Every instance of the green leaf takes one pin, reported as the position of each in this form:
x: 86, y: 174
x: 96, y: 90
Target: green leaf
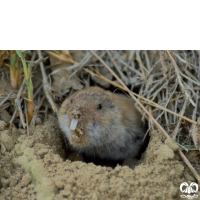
x: 183, y: 147
x: 190, y: 147
x: 19, y: 53
x: 29, y: 71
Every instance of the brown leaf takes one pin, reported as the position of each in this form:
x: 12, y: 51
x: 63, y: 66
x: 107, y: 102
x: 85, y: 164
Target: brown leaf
x: 4, y: 54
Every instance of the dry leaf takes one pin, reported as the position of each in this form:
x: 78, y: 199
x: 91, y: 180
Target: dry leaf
x: 4, y: 54
x: 62, y: 83
x: 195, y: 132
x: 62, y: 55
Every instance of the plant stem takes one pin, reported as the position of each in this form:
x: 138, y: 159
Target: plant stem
x: 29, y: 84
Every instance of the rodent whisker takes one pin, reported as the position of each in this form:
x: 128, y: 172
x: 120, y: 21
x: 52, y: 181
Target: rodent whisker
x: 108, y: 147
x: 79, y: 152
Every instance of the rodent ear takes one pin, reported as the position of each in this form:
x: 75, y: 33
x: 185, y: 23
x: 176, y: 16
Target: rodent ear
x: 99, y: 106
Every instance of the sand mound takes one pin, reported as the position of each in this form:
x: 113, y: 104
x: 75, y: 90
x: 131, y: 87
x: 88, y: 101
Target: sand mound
x: 35, y: 167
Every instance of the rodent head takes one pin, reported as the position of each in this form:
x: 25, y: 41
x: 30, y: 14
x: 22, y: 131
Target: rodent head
x: 90, y: 118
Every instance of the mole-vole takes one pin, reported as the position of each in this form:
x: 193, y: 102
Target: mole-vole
x: 98, y: 122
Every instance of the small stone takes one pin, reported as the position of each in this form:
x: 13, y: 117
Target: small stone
x: 20, y: 196
x: 6, y: 193
x: 13, y: 181
x: 66, y: 193
x: 6, y: 140
x: 5, y: 182
x: 30, y: 142
x: 24, y: 190
x: 42, y: 152
x: 25, y: 180
x: 3, y: 149
x: 14, y: 193
x: 21, y: 138
x: 2, y: 125
x: 7, y: 174
x: 59, y: 183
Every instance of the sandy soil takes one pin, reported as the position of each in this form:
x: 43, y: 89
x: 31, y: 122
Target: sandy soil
x: 36, y: 167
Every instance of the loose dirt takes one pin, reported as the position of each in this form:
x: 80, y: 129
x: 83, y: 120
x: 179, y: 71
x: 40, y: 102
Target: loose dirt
x: 36, y: 167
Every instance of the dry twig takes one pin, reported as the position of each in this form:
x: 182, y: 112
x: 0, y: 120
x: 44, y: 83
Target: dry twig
x: 46, y: 86
x: 146, y: 101
x: 150, y: 116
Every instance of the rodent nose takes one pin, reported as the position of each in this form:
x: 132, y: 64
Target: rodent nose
x: 76, y: 114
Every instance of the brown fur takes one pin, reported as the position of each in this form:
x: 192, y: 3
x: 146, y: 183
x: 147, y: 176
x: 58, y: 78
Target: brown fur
x: 116, y: 123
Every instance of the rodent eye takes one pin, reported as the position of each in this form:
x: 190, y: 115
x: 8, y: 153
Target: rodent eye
x: 99, y: 106
x: 71, y: 100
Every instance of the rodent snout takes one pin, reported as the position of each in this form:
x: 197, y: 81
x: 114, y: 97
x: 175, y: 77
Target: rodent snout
x: 75, y: 118
x: 76, y: 114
